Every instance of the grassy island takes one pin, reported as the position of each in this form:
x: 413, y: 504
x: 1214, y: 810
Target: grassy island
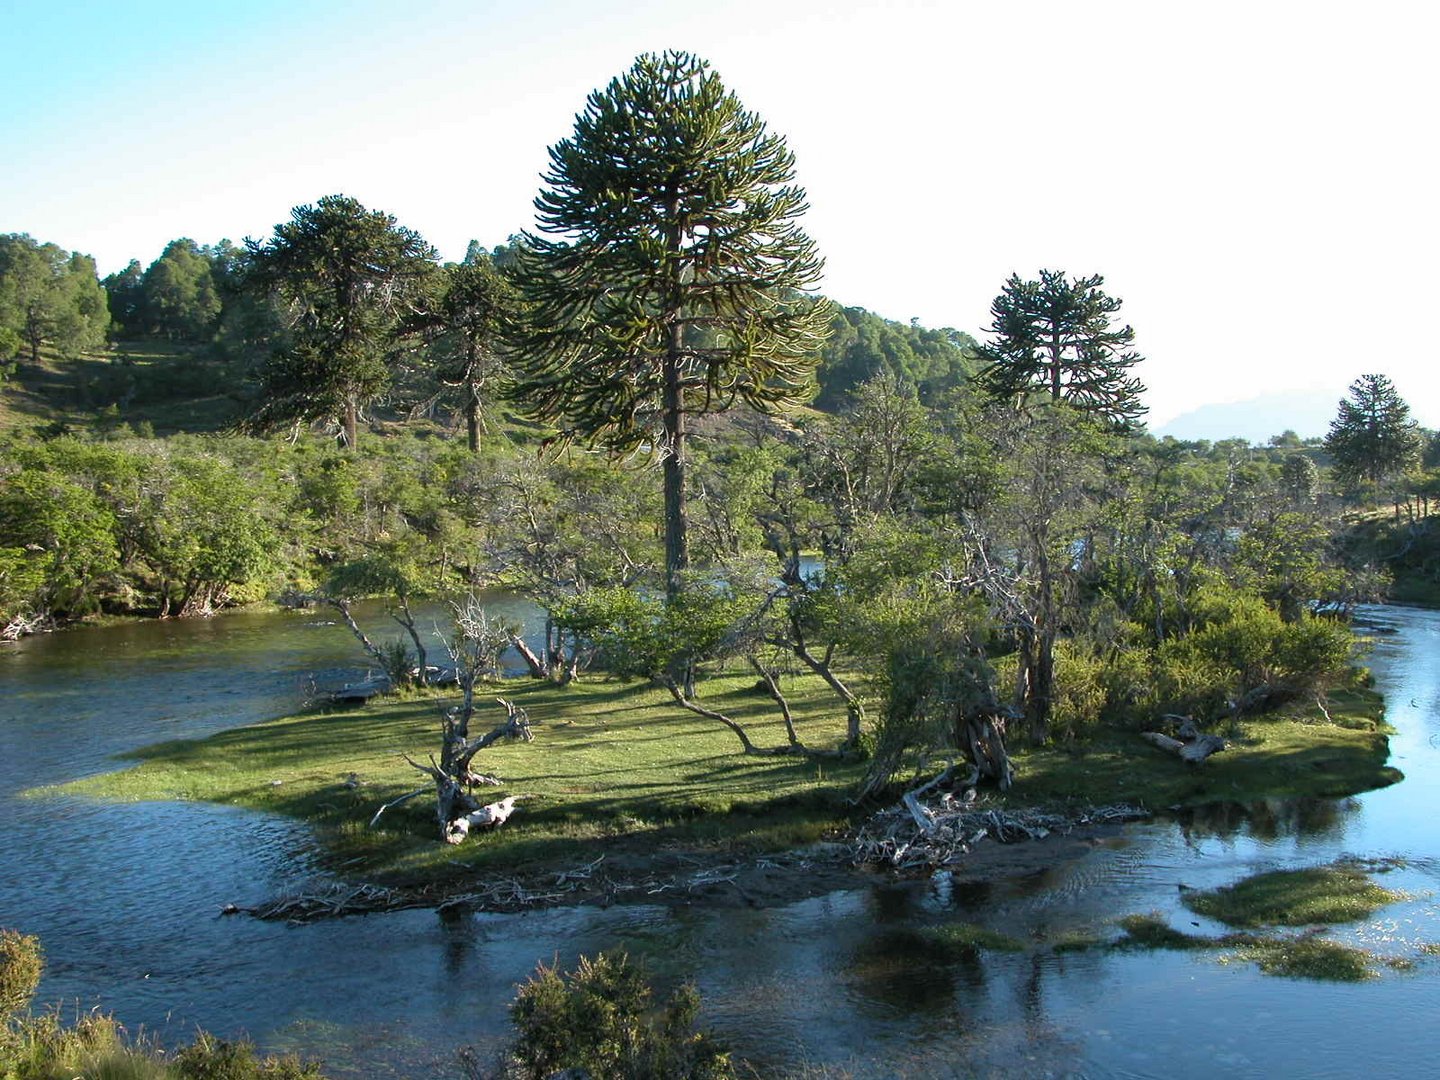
x: 616, y: 768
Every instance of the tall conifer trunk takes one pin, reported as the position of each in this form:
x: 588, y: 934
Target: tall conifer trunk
x: 472, y: 423
x: 677, y: 540
x: 672, y: 406
x: 352, y: 422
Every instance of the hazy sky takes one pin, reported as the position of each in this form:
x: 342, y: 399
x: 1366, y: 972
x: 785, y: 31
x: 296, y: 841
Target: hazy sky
x: 1257, y: 181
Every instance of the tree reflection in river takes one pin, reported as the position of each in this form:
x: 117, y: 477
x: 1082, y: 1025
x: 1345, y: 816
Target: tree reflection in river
x: 1267, y: 819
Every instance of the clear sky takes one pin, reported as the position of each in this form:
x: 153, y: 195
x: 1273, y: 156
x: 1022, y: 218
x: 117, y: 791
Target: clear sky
x: 1257, y: 181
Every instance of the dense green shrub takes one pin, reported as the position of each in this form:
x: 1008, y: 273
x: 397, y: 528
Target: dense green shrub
x: 1252, y: 648
x: 1081, y: 690
x: 599, y: 1018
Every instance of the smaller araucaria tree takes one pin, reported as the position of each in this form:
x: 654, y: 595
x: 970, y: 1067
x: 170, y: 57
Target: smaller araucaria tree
x: 1053, y: 338
x: 461, y: 325
x: 344, y: 275
x: 1372, y: 436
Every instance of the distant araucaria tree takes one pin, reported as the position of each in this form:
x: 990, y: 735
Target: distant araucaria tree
x: 1372, y: 435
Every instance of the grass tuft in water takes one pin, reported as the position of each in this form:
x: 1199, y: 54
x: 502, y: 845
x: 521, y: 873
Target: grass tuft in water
x: 1321, y: 895
x: 1303, y: 956
x: 1074, y: 941
x: 966, y: 939
x: 1310, y: 957
x: 1153, y: 932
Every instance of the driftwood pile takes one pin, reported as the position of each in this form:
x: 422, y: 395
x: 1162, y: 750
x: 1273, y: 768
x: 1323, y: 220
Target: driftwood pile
x: 589, y: 882
x: 943, y: 831
x: 331, y: 902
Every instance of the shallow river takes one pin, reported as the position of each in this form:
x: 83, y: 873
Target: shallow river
x: 125, y: 898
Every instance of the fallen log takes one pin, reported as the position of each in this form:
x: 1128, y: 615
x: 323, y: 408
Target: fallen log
x: 1192, y: 747
x: 488, y: 816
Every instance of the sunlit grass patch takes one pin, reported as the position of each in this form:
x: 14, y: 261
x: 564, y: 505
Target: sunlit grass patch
x: 1340, y: 892
x: 1296, y: 752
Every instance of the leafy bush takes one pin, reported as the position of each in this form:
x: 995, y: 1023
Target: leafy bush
x: 633, y: 635
x: 1080, y: 692
x: 599, y: 1018
x: 1249, y: 647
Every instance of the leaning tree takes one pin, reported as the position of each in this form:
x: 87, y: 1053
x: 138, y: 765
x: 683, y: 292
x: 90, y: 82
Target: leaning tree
x: 1053, y: 338
x: 668, y: 280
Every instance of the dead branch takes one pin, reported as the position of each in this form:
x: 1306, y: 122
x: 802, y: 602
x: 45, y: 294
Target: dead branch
x: 914, y: 834
x: 396, y: 802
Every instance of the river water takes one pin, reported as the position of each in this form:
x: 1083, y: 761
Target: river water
x: 126, y: 900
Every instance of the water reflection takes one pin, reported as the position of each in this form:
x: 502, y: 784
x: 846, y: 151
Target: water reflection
x: 1267, y: 819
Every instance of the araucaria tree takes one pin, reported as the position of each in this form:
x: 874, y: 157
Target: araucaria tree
x: 669, y: 278
x: 345, y: 274
x: 1053, y: 338
x: 461, y: 324
x: 1372, y: 436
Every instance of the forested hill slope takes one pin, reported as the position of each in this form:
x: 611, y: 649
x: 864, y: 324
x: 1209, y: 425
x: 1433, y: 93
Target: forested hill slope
x: 863, y: 345
x: 175, y: 386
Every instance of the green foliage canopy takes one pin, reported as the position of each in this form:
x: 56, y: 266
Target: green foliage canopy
x: 345, y: 273
x: 48, y: 297
x: 181, y: 300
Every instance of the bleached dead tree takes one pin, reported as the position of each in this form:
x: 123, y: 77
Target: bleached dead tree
x: 474, y: 647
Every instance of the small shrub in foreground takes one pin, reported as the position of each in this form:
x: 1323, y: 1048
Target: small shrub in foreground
x: 96, y: 1047
x: 209, y: 1058
x: 599, y: 1018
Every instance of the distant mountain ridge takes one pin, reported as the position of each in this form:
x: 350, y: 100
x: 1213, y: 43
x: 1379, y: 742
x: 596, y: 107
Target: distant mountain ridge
x: 1306, y: 412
